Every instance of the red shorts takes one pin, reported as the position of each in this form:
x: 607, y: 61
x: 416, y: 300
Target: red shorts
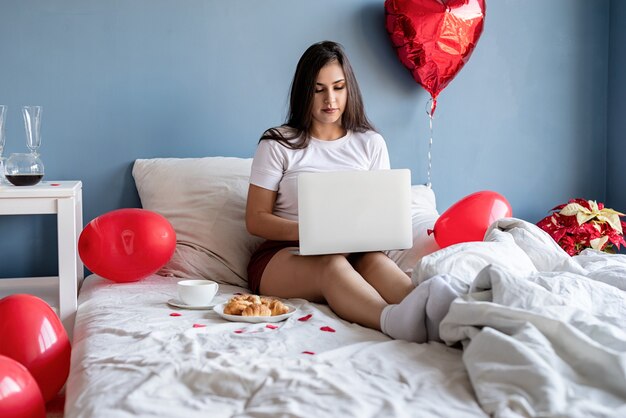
x: 260, y: 258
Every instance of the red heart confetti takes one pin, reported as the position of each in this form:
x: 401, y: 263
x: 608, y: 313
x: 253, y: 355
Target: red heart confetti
x: 240, y: 331
x: 308, y: 352
x: 55, y: 184
x: 199, y: 325
x: 175, y: 314
x: 270, y: 326
x: 327, y: 329
x: 305, y: 318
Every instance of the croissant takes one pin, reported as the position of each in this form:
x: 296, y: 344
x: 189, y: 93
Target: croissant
x: 235, y: 307
x: 247, y: 298
x: 277, y: 307
x: 257, y: 309
x: 254, y: 305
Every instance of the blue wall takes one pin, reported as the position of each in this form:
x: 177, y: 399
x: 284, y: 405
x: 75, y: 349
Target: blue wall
x: 616, y: 143
x: 121, y: 80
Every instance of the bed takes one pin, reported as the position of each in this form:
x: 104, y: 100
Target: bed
x: 534, y: 332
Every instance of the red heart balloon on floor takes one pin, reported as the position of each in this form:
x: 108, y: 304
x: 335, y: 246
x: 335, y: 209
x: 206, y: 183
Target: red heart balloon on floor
x: 32, y: 334
x: 20, y: 396
x: 434, y: 38
x: 469, y: 218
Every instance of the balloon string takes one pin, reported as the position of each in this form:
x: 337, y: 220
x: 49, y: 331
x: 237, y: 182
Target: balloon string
x: 432, y: 104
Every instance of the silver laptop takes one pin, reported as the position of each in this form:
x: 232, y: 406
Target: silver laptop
x: 354, y: 211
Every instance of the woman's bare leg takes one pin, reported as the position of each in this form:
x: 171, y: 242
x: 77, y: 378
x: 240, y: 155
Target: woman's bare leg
x: 384, y: 275
x: 329, y: 278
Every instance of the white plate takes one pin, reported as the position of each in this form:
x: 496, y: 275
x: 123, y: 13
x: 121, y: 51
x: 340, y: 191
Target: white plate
x: 180, y: 304
x: 219, y: 309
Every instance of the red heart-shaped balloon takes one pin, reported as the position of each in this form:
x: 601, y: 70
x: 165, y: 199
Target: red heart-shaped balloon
x: 469, y: 218
x: 434, y: 38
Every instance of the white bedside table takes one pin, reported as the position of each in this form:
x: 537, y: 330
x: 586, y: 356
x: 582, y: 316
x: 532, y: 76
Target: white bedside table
x: 63, y: 198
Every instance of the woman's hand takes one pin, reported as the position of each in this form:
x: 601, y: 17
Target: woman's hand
x: 260, y: 220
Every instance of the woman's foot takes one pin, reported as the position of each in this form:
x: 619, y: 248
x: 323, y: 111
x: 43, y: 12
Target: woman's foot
x: 418, y: 316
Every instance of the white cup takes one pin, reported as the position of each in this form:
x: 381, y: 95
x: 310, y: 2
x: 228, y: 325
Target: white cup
x: 197, y: 292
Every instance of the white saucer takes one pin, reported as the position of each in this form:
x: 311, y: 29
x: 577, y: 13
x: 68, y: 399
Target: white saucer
x: 180, y: 304
x: 219, y: 309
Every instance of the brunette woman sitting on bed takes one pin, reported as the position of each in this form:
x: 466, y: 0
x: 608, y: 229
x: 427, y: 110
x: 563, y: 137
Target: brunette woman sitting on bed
x: 327, y: 130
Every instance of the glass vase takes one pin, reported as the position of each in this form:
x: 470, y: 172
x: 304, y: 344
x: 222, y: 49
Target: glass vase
x: 32, y: 125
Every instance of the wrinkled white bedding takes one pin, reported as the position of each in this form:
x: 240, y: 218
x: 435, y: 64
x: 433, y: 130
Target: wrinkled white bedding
x: 543, y: 333
x: 131, y: 358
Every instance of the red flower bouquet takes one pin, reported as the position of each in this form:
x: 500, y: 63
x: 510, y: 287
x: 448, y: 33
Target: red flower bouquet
x: 581, y: 224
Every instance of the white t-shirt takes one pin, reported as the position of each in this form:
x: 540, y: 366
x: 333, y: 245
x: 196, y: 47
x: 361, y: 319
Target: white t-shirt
x: 276, y: 167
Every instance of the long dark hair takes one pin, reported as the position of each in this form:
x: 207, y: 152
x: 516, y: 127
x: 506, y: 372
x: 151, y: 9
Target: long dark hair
x: 298, y: 124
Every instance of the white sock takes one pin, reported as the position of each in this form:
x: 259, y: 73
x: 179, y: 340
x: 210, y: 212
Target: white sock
x: 438, y: 305
x: 417, y: 317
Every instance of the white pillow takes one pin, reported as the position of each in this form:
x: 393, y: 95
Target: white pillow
x: 425, y: 215
x: 204, y: 199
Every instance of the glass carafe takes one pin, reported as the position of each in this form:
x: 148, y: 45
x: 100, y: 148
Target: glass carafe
x: 23, y: 169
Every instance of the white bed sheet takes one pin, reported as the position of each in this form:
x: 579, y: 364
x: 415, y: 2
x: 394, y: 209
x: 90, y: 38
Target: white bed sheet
x: 544, y: 334
x: 131, y: 358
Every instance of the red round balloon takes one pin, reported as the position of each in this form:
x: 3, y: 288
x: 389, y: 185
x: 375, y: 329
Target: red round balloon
x: 434, y: 38
x: 20, y: 396
x: 469, y: 218
x: 127, y: 245
x: 32, y: 334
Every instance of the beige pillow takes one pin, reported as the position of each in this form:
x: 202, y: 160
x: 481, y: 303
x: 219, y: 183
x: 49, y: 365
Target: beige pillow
x: 204, y: 199
x: 424, y: 209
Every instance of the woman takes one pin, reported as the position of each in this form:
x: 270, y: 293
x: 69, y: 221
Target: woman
x: 327, y: 130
